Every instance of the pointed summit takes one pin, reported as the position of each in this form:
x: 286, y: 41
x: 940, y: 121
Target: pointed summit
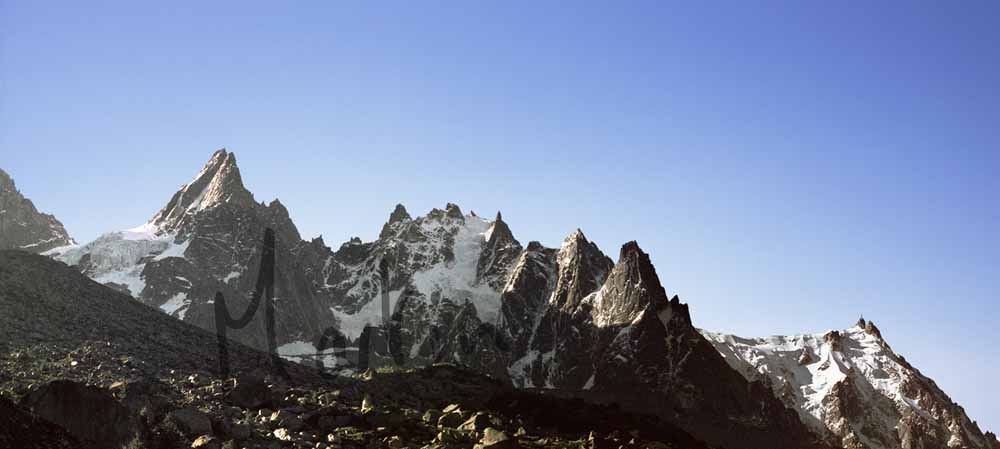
x: 498, y: 234
x: 500, y: 253
x: 583, y: 268
x: 218, y: 182
x: 453, y: 210
x: 634, y: 287
x: 398, y: 215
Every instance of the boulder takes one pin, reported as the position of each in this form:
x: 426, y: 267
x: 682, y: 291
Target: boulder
x: 496, y: 439
x: 89, y: 413
x: 450, y: 419
x: 431, y: 416
x: 192, y: 422
x: 250, y: 392
x: 239, y: 431
x: 206, y: 442
x: 283, y: 434
x: 479, y: 422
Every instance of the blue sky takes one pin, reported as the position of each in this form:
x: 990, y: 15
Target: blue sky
x: 788, y: 165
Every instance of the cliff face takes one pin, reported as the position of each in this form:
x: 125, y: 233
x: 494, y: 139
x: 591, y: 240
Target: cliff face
x: 22, y: 226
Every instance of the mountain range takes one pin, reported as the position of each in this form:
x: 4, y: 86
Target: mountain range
x: 457, y: 288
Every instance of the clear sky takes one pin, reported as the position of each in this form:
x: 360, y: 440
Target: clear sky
x: 788, y: 166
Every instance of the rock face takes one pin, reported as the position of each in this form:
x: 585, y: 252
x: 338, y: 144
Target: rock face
x: 207, y: 239
x: 24, y: 227
x: 613, y: 334
x: 851, y: 387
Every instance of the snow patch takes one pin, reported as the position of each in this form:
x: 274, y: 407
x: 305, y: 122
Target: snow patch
x: 352, y: 324
x: 305, y: 352
x: 457, y: 279
x: 177, y: 305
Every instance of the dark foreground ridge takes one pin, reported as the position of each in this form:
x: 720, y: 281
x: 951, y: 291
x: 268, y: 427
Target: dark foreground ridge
x: 82, y: 365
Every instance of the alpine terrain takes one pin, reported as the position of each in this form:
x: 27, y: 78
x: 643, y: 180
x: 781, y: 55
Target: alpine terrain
x: 85, y: 366
x: 457, y: 288
x: 24, y: 227
x: 851, y: 385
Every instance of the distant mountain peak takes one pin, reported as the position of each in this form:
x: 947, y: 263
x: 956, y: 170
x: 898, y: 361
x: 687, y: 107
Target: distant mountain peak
x: 576, y: 236
x: 499, y: 233
x: 218, y: 182
x: 453, y: 210
x: 22, y: 226
x: 632, y: 288
x: 583, y: 268
x: 499, y: 254
x: 398, y: 215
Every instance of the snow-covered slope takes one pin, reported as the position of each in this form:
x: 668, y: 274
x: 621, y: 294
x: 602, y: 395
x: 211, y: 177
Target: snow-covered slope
x: 851, y: 386
x: 118, y: 258
x: 431, y: 256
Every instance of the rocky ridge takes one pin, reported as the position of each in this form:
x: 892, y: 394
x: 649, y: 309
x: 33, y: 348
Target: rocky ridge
x: 22, y: 226
x: 850, y: 385
x: 86, y: 366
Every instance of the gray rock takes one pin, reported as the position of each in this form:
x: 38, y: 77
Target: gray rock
x: 431, y: 416
x: 240, y: 431
x: 282, y: 434
x: 496, y: 439
x: 206, y: 442
x: 478, y: 422
x: 451, y: 419
x: 250, y: 392
x: 22, y: 226
x: 192, y: 422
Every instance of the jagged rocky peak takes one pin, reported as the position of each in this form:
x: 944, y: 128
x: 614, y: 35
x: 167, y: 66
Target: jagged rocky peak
x: 499, y: 254
x: 633, y: 287
x: 871, y: 329
x: 217, y: 183
x: 583, y: 268
x: 675, y: 312
x: 24, y: 227
x: 451, y: 211
x: 398, y: 216
x: 499, y: 233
